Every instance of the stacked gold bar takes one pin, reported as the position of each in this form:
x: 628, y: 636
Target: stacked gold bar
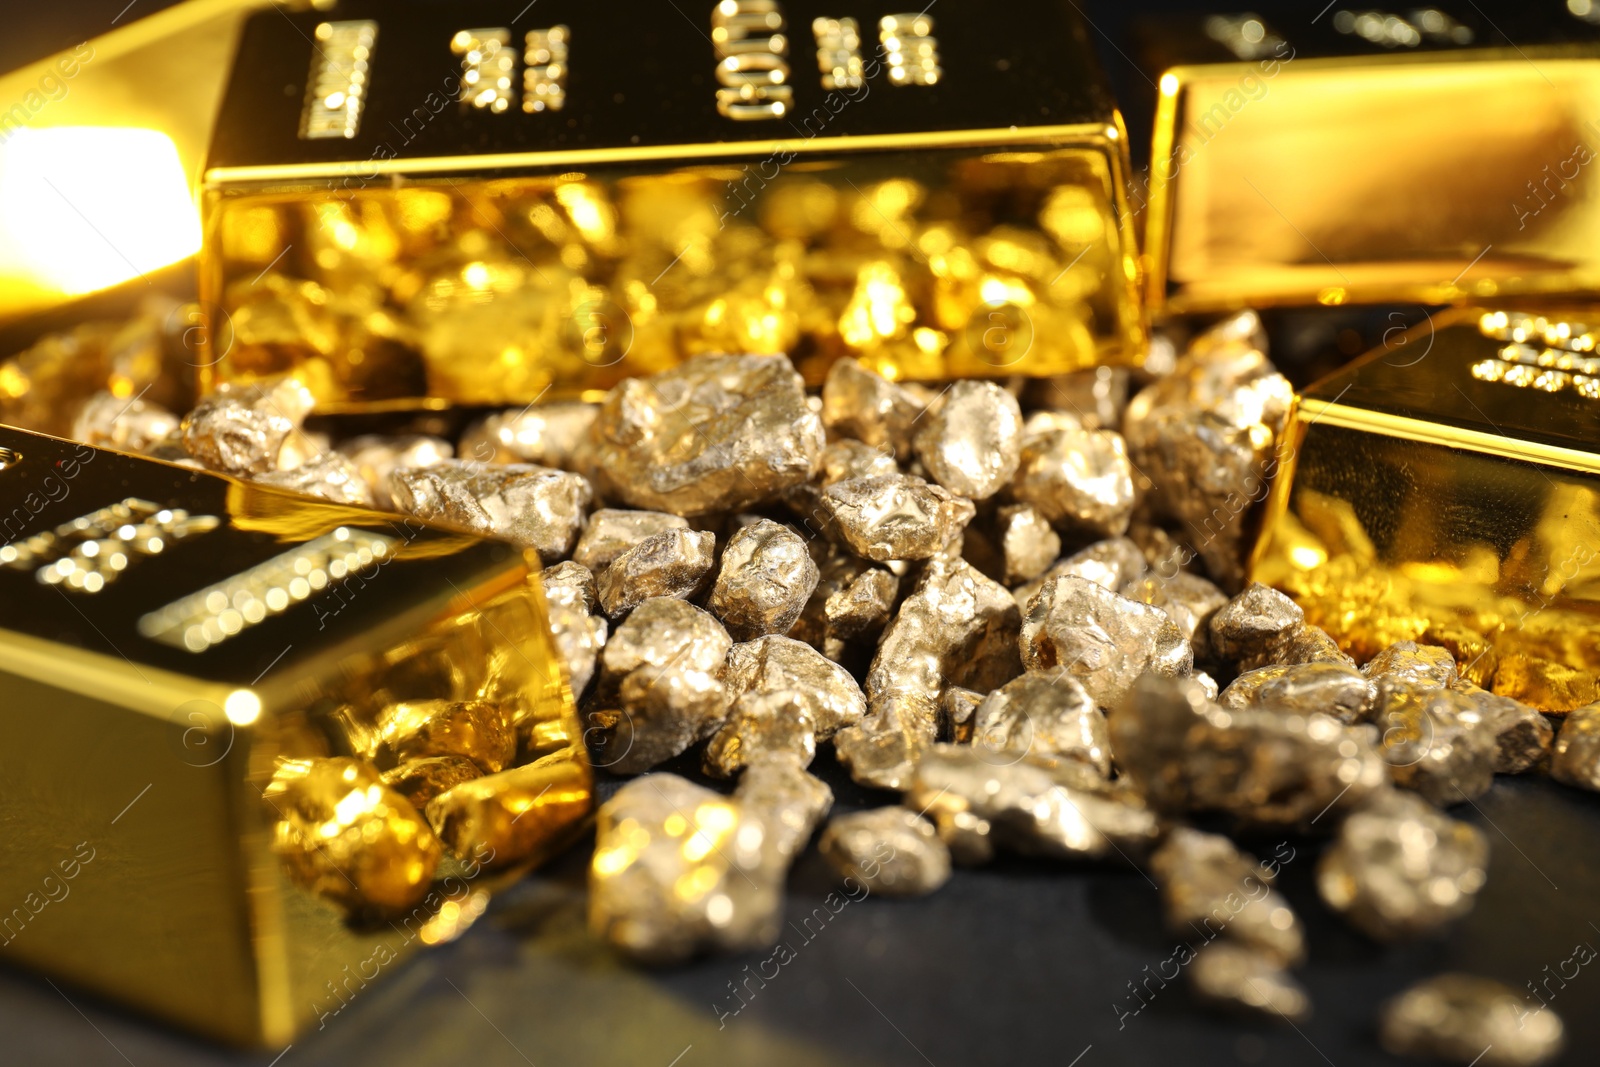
x: 259, y: 746
x: 1443, y: 489
x: 458, y: 211
x: 1304, y: 158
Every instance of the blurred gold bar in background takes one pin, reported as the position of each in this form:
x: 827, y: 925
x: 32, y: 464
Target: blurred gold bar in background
x: 460, y: 211
x: 1329, y: 161
x: 1446, y: 488
x: 222, y: 706
x: 101, y: 151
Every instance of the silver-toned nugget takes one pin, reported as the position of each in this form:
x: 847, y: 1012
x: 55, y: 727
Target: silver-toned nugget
x: 868, y: 407
x: 674, y: 564
x: 663, y: 712
x: 772, y: 663
x: 1265, y: 767
x: 980, y: 800
x: 1310, y: 644
x: 377, y: 457
x: 534, y: 507
x: 848, y: 458
x: 579, y: 637
x: 1105, y: 641
x: 1205, y: 438
x: 895, y: 516
x: 332, y: 476
x: 131, y: 424
x: 1028, y: 544
x: 789, y: 799
x: 1209, y: 886
x: 1115, y: 564
x: 609, y: 532
x: 1434, y: 743
x: 766, y: 578
x: 551, y: 435
x: 760, y: 725
x: 1242, y: 977
x: 1464, y: 1019
x: 1248, y: 629
x: 1080, y: 480
x: 1401, y: 868
x: 1188, y: 600
x: 956, y: 628
x: 1522, y: 736
x: 713, y: 434
x: 678, y: 868
x: 1330, y: 688
x: 1419, y: 666
x: 247, y: 429
x: 1046, y: 714
x: 971, y: 440
x: 569, y: 595
x: 891, y: 851
x: 570, y: 583
x: 1575, y: 758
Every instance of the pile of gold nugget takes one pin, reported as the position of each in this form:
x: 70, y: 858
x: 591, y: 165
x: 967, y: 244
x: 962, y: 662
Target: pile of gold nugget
x: 1012, y: 603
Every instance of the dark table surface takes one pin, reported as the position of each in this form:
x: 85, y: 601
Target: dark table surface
x: 1017, y: 963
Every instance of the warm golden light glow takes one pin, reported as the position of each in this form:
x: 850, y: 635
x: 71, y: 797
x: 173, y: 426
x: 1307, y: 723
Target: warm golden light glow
x: 242, y: 707
x: 83, y: 208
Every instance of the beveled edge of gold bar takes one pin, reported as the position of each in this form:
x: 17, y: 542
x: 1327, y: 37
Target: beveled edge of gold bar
x: 1155, y: 259
x: 100, y: 676
x: 1092, y: 133
x: 1432, y: 433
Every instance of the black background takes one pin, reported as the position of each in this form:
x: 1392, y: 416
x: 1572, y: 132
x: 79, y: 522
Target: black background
x: 1017, y: 963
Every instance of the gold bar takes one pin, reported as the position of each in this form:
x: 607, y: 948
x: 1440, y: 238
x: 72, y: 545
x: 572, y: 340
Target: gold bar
x: 1446, y: 489
x: 144, y: 95
x: 545, y: 207
x: 192, y: 670
x: 1431, y: 161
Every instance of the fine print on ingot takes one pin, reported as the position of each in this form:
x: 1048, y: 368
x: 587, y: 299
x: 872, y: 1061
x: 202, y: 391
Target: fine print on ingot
x: 259, y: 747
x: 1304, y: 157
x: 445, y: 207
x: 1446, y: 489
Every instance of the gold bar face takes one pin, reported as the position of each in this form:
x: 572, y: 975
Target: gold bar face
x: 558, y: 213
x: 1393, y: 196
x: 1446, y: 489
x: 181, y: 653
x: 925, y: 264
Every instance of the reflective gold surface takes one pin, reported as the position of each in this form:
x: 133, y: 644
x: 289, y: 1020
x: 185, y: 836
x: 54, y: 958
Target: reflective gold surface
x: 937, y: 259
x: 1432, y: 178
x: 224, y: 879
x: 144, y: 94
x: 1422, y: 496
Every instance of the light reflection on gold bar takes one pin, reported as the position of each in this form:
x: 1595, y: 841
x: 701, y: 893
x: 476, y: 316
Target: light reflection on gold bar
x: 1413, y: 178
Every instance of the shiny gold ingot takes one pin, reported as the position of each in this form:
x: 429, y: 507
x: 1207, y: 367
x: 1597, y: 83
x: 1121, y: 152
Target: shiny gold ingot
x: 961, y: 215
x: 186, y: 678
x: 143, y: 94
x: 1446, y: 489
x: 1287, y: 176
